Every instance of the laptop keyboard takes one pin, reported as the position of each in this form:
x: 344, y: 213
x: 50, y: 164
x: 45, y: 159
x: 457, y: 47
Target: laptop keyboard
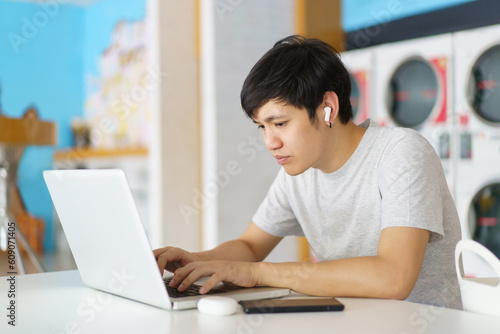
x: 193, y: 290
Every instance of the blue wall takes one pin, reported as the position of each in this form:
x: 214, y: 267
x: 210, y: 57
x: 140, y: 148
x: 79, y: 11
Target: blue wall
x: 41, y: 65
x: 358, y: 14
x: 45, y: 54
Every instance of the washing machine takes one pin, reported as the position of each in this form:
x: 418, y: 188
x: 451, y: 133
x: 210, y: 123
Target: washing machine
x: 413, y: 90
x: 359, y: 63
x: 477, y: 105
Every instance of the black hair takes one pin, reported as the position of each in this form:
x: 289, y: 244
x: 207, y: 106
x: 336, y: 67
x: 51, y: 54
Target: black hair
x: 298, y: 71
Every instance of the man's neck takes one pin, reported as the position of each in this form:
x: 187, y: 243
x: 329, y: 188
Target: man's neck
x: 345, y: 140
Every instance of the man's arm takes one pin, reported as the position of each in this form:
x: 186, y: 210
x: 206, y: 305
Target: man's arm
x: 392, y: 273
x: 252, y: 246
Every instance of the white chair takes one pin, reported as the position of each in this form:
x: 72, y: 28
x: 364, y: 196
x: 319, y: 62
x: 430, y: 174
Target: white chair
x: 481, y: 295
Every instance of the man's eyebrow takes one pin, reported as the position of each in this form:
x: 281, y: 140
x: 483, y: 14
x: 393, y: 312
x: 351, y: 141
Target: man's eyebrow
x: 271, y: 118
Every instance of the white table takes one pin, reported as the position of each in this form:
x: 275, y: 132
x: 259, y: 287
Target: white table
x: 58, y: 302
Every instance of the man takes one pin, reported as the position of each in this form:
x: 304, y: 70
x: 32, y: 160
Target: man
x: 372, y: 201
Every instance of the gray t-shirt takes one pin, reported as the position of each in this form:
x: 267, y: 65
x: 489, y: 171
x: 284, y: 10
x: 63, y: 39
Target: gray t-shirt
x: 394, y: 178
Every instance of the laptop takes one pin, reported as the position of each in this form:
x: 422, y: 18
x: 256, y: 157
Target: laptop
x: 110, y: 246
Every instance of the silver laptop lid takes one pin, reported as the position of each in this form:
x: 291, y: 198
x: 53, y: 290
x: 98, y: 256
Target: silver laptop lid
x: 108, y: 241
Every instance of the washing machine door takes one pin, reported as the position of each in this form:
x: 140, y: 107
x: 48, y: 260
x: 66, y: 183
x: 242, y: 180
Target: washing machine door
x: 413, y: 93
x: 484, y: 217
x: 355, y: 96
x: 484, y: 86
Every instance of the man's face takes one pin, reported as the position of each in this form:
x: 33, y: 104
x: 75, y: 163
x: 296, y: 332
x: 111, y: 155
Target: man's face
x: 291, y: 138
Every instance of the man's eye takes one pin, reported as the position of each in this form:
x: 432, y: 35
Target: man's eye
x: 260, y: 127
x: 279, y: 125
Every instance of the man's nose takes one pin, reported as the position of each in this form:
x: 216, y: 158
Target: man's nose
x: 273, y: 142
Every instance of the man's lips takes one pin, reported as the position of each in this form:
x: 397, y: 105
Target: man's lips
x: 281, y: 159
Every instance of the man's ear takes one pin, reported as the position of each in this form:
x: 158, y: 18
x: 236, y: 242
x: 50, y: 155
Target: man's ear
x: 331, y: 100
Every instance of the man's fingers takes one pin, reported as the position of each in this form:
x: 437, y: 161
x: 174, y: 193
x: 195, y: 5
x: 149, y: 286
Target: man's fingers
x: 162, y: 261
x: 184, y: 277
x: 188, y: 275
x: 172, y: 258
x: 157, y: 252
x: 209, y: 284
x: 169, y: 258
x: 180, y: 274
x: 172, y: 266
x: 219, y: 271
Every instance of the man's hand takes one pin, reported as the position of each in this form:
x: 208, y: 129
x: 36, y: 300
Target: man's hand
x: 242, y: 274
x: 391, y: 273
x: 172, y: 258
x: 252, y: 246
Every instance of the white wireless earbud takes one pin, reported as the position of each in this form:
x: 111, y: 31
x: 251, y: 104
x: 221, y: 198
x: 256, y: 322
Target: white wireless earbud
x: 328, y: 111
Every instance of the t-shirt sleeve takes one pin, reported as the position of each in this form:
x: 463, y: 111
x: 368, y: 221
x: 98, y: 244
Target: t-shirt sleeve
x: 275, y: 214
x: 411, y: 181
